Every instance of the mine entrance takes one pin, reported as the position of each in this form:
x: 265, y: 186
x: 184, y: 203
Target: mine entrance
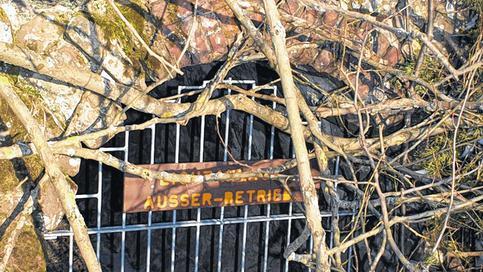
x: 245, y: 238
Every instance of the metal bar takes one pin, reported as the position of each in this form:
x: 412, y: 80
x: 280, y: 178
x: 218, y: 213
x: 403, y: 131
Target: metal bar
x: 267, y: 224
x: 111, y: 149
x: 99, y: 209
x: 123, y: 233
x: 222, y: 209
x: 150, y: 213
x: 311, y: 248
x: 191, y: 223
x: 289, y: 226
x: 198, y: 211
x: 86, y: 196
x: 71, y: 251
x: 349, y: 254
x: 245, y: 208
x: 289, y: 229
x: 176, y: 160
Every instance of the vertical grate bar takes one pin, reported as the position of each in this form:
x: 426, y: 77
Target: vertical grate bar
x: 99, y: 210
x: 198, y: 210
x: 267, y: 223
x: 245, y: 208
x: 289, y: 226
x: 123, y: 233
x: 150, y: 213
x: 289, y: 229
x: 311, y: 247
x: 222, y: 209
x: 71, y: 251
x: 176, y: 160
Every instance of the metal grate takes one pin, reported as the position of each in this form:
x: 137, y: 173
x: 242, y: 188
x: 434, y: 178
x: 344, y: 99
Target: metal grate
x: 176, y: 224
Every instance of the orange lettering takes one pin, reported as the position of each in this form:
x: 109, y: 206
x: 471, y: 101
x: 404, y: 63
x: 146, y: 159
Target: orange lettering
x: 195, y: 200
x: 148, y: 204
x: 206, y: 199
x: 173, y: 201
x: 228, y: 198
x: 161, y: 204
x: 269, y: 195
x: 277, y: 195
x: 238, y: 197
x: 250, y: 195
x: 261, y: 196
x: 184, y: 200
x: 286, y: 196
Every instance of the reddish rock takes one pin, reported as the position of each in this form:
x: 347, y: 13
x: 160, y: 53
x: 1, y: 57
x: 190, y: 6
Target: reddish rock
x: 52, y: 212
x: 392, y: 56
x: 362, y: 89
x: 202, y: 46
x: 382, y: 45
x: 256, y: 16
x: 158, y: 8
x: 222, y: 9
x: 330, y: 18
x: 307, y: 56
x: 324, y: 59
x: 291, y: 7
x: 187, y: 24
x: 39, y: 35
x: 362, y: 30
x: 175, y: 51
x: 218, y: 44
x: 184, y: 9
x: 312, y: 17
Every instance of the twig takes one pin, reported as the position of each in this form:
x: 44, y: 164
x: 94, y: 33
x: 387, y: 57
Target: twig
x: 149, y: 174
x: 257, y: 37
x: 410, y: 218
x: 453, y: 171
x: 398, y: 31
x: 309, y: 193
x: 62, y: 187
x: 141, y: 40
x: 13, y: 235
x: 191, y: 33
x: 380, y: 252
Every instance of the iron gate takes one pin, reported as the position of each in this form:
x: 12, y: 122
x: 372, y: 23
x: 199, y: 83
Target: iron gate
x: 175, y: 225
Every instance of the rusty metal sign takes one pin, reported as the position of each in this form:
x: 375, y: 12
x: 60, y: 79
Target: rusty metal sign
x: 141, y: 195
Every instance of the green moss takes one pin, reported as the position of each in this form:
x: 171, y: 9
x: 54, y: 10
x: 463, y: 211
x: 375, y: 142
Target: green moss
x: 438, y: 152
x: 27, y: 254
x: 172, y: 18
x: 3, y: 16
x: 34, y: 101
x: 63, y: 18
x: 8, y: 180
x: 114, y: 29
x: 475, y: 4
x: 431, y: 71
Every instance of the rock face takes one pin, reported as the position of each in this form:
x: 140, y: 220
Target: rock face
x: 90, y: 37
x: 16, y: 177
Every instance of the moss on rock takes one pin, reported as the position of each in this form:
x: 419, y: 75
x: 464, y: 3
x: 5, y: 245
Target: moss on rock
x: 115, y: 30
